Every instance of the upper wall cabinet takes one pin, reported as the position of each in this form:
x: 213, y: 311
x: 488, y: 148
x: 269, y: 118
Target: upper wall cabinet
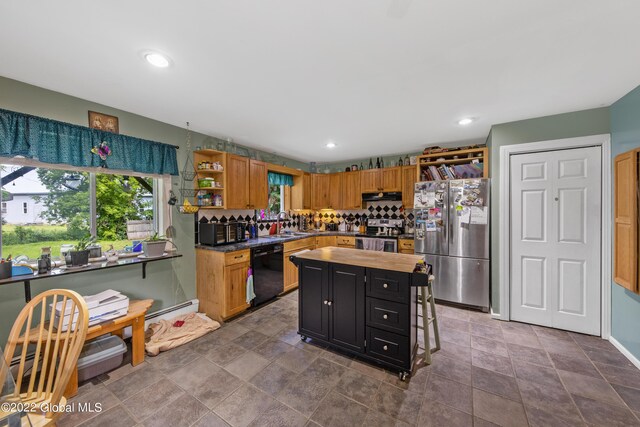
x: 335, y: 193
x: 409, y: 178
x: 301, y: 192
x: 626, y: 220
x: 247, y: 183
x: 258, y: 185
x: 351, y: 193
x: 320, y: 187
x: 237, y: 182
x: 386, y: 179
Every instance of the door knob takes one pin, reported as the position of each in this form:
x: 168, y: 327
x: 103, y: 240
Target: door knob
x: 385, y: 317
x: 385, y: 286
x: 385, y: 348
x: 326, y: 302
x: 329, y: 302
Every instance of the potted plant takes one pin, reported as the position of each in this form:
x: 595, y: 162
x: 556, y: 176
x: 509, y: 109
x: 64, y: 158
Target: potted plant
x: 154, y: 246
x: 80, y: 252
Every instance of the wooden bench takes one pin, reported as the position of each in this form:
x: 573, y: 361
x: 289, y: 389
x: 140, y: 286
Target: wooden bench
x: 135, y: 319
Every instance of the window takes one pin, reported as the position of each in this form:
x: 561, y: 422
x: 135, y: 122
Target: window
x: 276, y: 202
x: 56, y: 207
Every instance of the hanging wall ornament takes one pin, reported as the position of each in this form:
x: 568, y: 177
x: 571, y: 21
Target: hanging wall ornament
x: 103, y: 151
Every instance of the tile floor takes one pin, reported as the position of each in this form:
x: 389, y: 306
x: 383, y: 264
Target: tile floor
x: 256, y: 371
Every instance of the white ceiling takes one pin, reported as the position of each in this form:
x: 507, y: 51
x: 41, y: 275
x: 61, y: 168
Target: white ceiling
x: 375, y: 76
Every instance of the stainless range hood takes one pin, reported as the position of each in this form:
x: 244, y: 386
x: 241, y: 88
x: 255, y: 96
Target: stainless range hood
x: 378, y: 197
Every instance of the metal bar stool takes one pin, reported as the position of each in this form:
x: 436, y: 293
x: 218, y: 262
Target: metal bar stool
x: 425, y: 295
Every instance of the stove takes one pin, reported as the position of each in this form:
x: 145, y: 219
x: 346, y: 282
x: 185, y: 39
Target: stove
x: 379, y: 237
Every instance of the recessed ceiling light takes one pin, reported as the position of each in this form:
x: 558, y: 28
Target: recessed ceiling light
x: 157, y: 59
x: 466, y: 121
x: 331, y: 144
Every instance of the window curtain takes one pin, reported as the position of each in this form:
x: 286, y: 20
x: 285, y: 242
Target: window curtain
x: 280, y: 179
x: 50, y: 141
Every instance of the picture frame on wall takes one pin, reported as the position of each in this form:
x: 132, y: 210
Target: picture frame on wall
x: 103, y: 122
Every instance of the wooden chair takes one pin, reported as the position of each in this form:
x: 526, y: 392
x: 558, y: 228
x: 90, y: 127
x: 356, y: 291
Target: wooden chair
x: 56, y: 351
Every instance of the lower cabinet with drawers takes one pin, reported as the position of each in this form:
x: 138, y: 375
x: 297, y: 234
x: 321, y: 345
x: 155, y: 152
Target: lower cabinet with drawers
x: 371, y: 313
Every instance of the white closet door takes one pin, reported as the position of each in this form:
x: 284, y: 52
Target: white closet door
x: 555, y: 239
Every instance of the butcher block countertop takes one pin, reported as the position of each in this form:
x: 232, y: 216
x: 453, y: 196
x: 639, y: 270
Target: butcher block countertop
x: 371, y: 259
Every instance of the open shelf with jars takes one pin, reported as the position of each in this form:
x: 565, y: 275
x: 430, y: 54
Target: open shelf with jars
x: 211, y: 176
x: 455, y: 164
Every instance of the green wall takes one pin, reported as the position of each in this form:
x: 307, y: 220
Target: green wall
x: 625, y: 305
x: 568, y: 125
x: 168, y: 282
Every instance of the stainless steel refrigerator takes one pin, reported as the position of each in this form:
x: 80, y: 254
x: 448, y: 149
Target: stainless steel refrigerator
x: 452, y: 232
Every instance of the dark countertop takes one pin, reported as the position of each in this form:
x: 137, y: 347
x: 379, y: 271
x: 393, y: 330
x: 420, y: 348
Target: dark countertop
x: 263, y: 241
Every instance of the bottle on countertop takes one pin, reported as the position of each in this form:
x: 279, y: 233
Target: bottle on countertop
x: 407, y: 162
x: 377, y: 162
x: 400, y: 161
x: 370, y: 163
x: 381, y: 162
x: 361, y: 166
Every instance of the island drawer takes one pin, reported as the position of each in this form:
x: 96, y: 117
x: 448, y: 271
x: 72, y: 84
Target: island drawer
x: 388, y: 346
x: 387, y: 315
x: 389, y: 285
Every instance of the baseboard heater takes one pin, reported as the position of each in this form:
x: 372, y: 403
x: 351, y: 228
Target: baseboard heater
x: 190, y: 306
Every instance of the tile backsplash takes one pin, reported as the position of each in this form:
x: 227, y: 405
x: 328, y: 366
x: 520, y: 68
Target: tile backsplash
x: 379, y: 210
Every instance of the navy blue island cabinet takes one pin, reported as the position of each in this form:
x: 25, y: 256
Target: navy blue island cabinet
x: 360, y: 302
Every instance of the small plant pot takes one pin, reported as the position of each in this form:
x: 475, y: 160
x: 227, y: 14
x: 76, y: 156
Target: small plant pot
x: 6, y: 270
x: 79, y: 258
x: 154, y: 249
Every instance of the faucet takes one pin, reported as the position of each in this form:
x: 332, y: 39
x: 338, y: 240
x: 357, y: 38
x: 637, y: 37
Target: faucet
x: 278, y: 225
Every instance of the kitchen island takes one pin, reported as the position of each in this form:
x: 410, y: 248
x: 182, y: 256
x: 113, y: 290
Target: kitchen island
x: 361, y: 302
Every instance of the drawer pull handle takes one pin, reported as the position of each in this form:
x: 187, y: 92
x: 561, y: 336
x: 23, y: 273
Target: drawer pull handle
x: 238, y: 256
x: 385, y: 348
x: 385, y: 286
x: 385, y: 317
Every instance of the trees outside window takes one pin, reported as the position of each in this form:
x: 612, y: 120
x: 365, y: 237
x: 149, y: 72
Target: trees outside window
x: 61, y: 209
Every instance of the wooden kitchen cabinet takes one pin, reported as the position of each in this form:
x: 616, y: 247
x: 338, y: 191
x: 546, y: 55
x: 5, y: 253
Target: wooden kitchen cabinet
x: 247, y: 182
x: 386, y: 179
x: 346, y: 241
x: 320, y: 185
x: 406, y: 246
x: 237, y: 182
x: 409, y: 178
x: 258, y: 185
x: 351, y: 193
x: 290, y: 269
x: 221, y: 282
x: 392, y: 179
x: 322, y: 241
x: 301, y: 192
x: 370, y: 180
x: 335, y: 191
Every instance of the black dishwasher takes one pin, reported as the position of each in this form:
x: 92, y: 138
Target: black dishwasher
x: 268, y: 278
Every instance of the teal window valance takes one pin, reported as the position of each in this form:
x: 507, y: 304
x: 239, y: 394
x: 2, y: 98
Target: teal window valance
x: 55, y: 142
x: 280, y: 179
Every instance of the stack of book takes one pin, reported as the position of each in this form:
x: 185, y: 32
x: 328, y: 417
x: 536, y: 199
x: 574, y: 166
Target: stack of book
x: 104, y: 306
x: 444, y: 172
